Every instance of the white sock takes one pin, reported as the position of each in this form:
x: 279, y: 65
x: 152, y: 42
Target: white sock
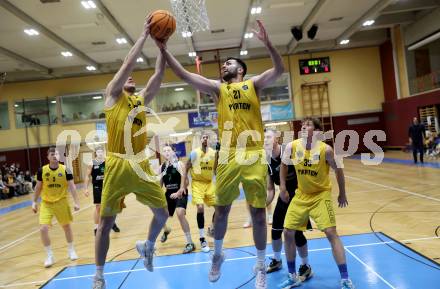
x: 149, y: 245
x: 99, y: 272
x: 188, y: 237
x: 202, y: 233
x: 218, y: 245
x: 305, y: 260
x: 261, y: 257
x: 96, y: 226
x: 70, y: 246
x: 277, y: 255
x: 48, y: 250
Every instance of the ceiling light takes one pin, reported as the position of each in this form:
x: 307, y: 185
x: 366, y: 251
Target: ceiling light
x: 66, y: 54
x: 256, y: 10
x: 192, y: 54
x: 91, y: 68
x: 368, y: 23
x: 31, y: 32
x: 179, y: 89
x: 139, y: 59
x: 15, y: 105
x: 186, y: 34
x: 88, y: 4
x: 249, y: 35
x: 344, y: 42
x: 243, y: 52
x: 121, y: 40
x: 97, y: 97
x: 53, y: 101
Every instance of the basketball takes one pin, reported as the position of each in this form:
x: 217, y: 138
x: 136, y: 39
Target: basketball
x: 163, y: 24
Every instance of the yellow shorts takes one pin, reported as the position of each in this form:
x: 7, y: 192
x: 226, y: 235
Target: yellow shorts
x: 231, y: 173
x: 203, y: 193
x: 120, y: 179
x: 318, y: 206
x: 59, y: 209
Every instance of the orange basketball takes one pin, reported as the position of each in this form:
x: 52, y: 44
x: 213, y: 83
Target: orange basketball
x: 163, y: 24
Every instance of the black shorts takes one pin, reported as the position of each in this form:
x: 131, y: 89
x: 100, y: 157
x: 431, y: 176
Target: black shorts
x: 175, y: 203
x: 281, y: 208
x: 97, y: 193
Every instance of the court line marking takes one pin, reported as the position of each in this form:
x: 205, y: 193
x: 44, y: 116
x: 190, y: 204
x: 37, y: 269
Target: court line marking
x: 19, y: 240
x: 370, y: 269
x: 208, y: 262
x: 394, y: 188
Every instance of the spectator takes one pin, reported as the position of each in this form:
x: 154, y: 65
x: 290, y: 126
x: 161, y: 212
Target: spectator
x: 178, y: 106
x: 416, y: 133
x: 4, y: 190
x: 28, y: 182
x: 19, y: 179
x: 93, y: 115
x: 102, y: 115
x: 11, y: 184
x: 82, y: 116
x: 75, y: 116
x: 186, y: 104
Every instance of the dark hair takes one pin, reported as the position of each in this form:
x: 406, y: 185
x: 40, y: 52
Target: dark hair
x: 51, y: 150
x: 316, y: 122
x: 241, y: 62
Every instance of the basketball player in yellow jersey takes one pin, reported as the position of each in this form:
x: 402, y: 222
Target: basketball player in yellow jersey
x: 312, y: 160
x: 120, y: 178
x: 201, y: 162
x: 241, y: 138
x: 53, y: 181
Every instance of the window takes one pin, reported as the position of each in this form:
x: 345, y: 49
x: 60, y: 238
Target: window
x: 35, y: 112
x: 175, y: 97
x: 4, y: 116
x: 278, y: 90
x: 423, y: 66
x: 82, y: 107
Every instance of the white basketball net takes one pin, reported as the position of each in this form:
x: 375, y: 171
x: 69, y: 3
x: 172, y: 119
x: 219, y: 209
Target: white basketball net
x: 191, y: 16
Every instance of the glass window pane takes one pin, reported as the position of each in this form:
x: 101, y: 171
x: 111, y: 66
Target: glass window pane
x: 4, y: 116
x: 172, y: 98
x: 82, y: 107
x: 35, y: 112
x: 278, y: 90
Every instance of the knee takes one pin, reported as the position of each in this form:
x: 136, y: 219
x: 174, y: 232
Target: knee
x: 200, y: 209
x: 105, y: 226
x: 259, y: 217
x: 162, y: 215
x: 289, y: 235
x: 276, y: 234
x: 331, y: 233
x: 44, y: 228
x: 221, y: 214
x: 181, y: 213
x: 300, y: 239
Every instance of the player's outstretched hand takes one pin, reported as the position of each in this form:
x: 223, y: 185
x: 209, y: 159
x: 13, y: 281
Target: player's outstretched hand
x: 342, y: 200
x: 261, y: 33
x: 147, y: 26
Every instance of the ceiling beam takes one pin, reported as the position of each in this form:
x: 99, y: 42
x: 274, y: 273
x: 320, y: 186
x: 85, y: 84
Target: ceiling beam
x: 25, y: 60
x: 372, y: 13
x: 118, y: 27
x: 308, y: 22
x: 390, y: 20
x: 410, y: 6
x: 42, y: 29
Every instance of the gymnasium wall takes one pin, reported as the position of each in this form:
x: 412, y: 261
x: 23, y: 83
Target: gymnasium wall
x: 355, y: 87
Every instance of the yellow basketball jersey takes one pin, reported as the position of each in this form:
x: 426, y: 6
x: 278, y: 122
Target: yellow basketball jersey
x: 115, y: 118
x: 54, y: 183
x: 240, y: 104
x: 203, y: 163
x: 312, y: 169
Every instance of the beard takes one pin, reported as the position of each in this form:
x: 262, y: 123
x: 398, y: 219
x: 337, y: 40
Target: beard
x: 229, y: 75
x: 130, y: 89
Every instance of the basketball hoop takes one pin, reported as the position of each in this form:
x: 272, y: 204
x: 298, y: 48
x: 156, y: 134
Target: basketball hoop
x: 191, y: 16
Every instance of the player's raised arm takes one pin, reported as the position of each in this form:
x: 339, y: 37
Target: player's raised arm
x: 199, y: 82
x: 269, y: 76
x: 115, y: 86
x: 155, y: 80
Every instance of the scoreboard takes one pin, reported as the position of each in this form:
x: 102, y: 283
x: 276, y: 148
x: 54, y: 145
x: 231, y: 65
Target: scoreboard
x: 314, y: 65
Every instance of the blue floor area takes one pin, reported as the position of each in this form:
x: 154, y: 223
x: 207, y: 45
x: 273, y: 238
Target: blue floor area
x: 4, y: 211
x: 372, y: 263
x: 435, y: 165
